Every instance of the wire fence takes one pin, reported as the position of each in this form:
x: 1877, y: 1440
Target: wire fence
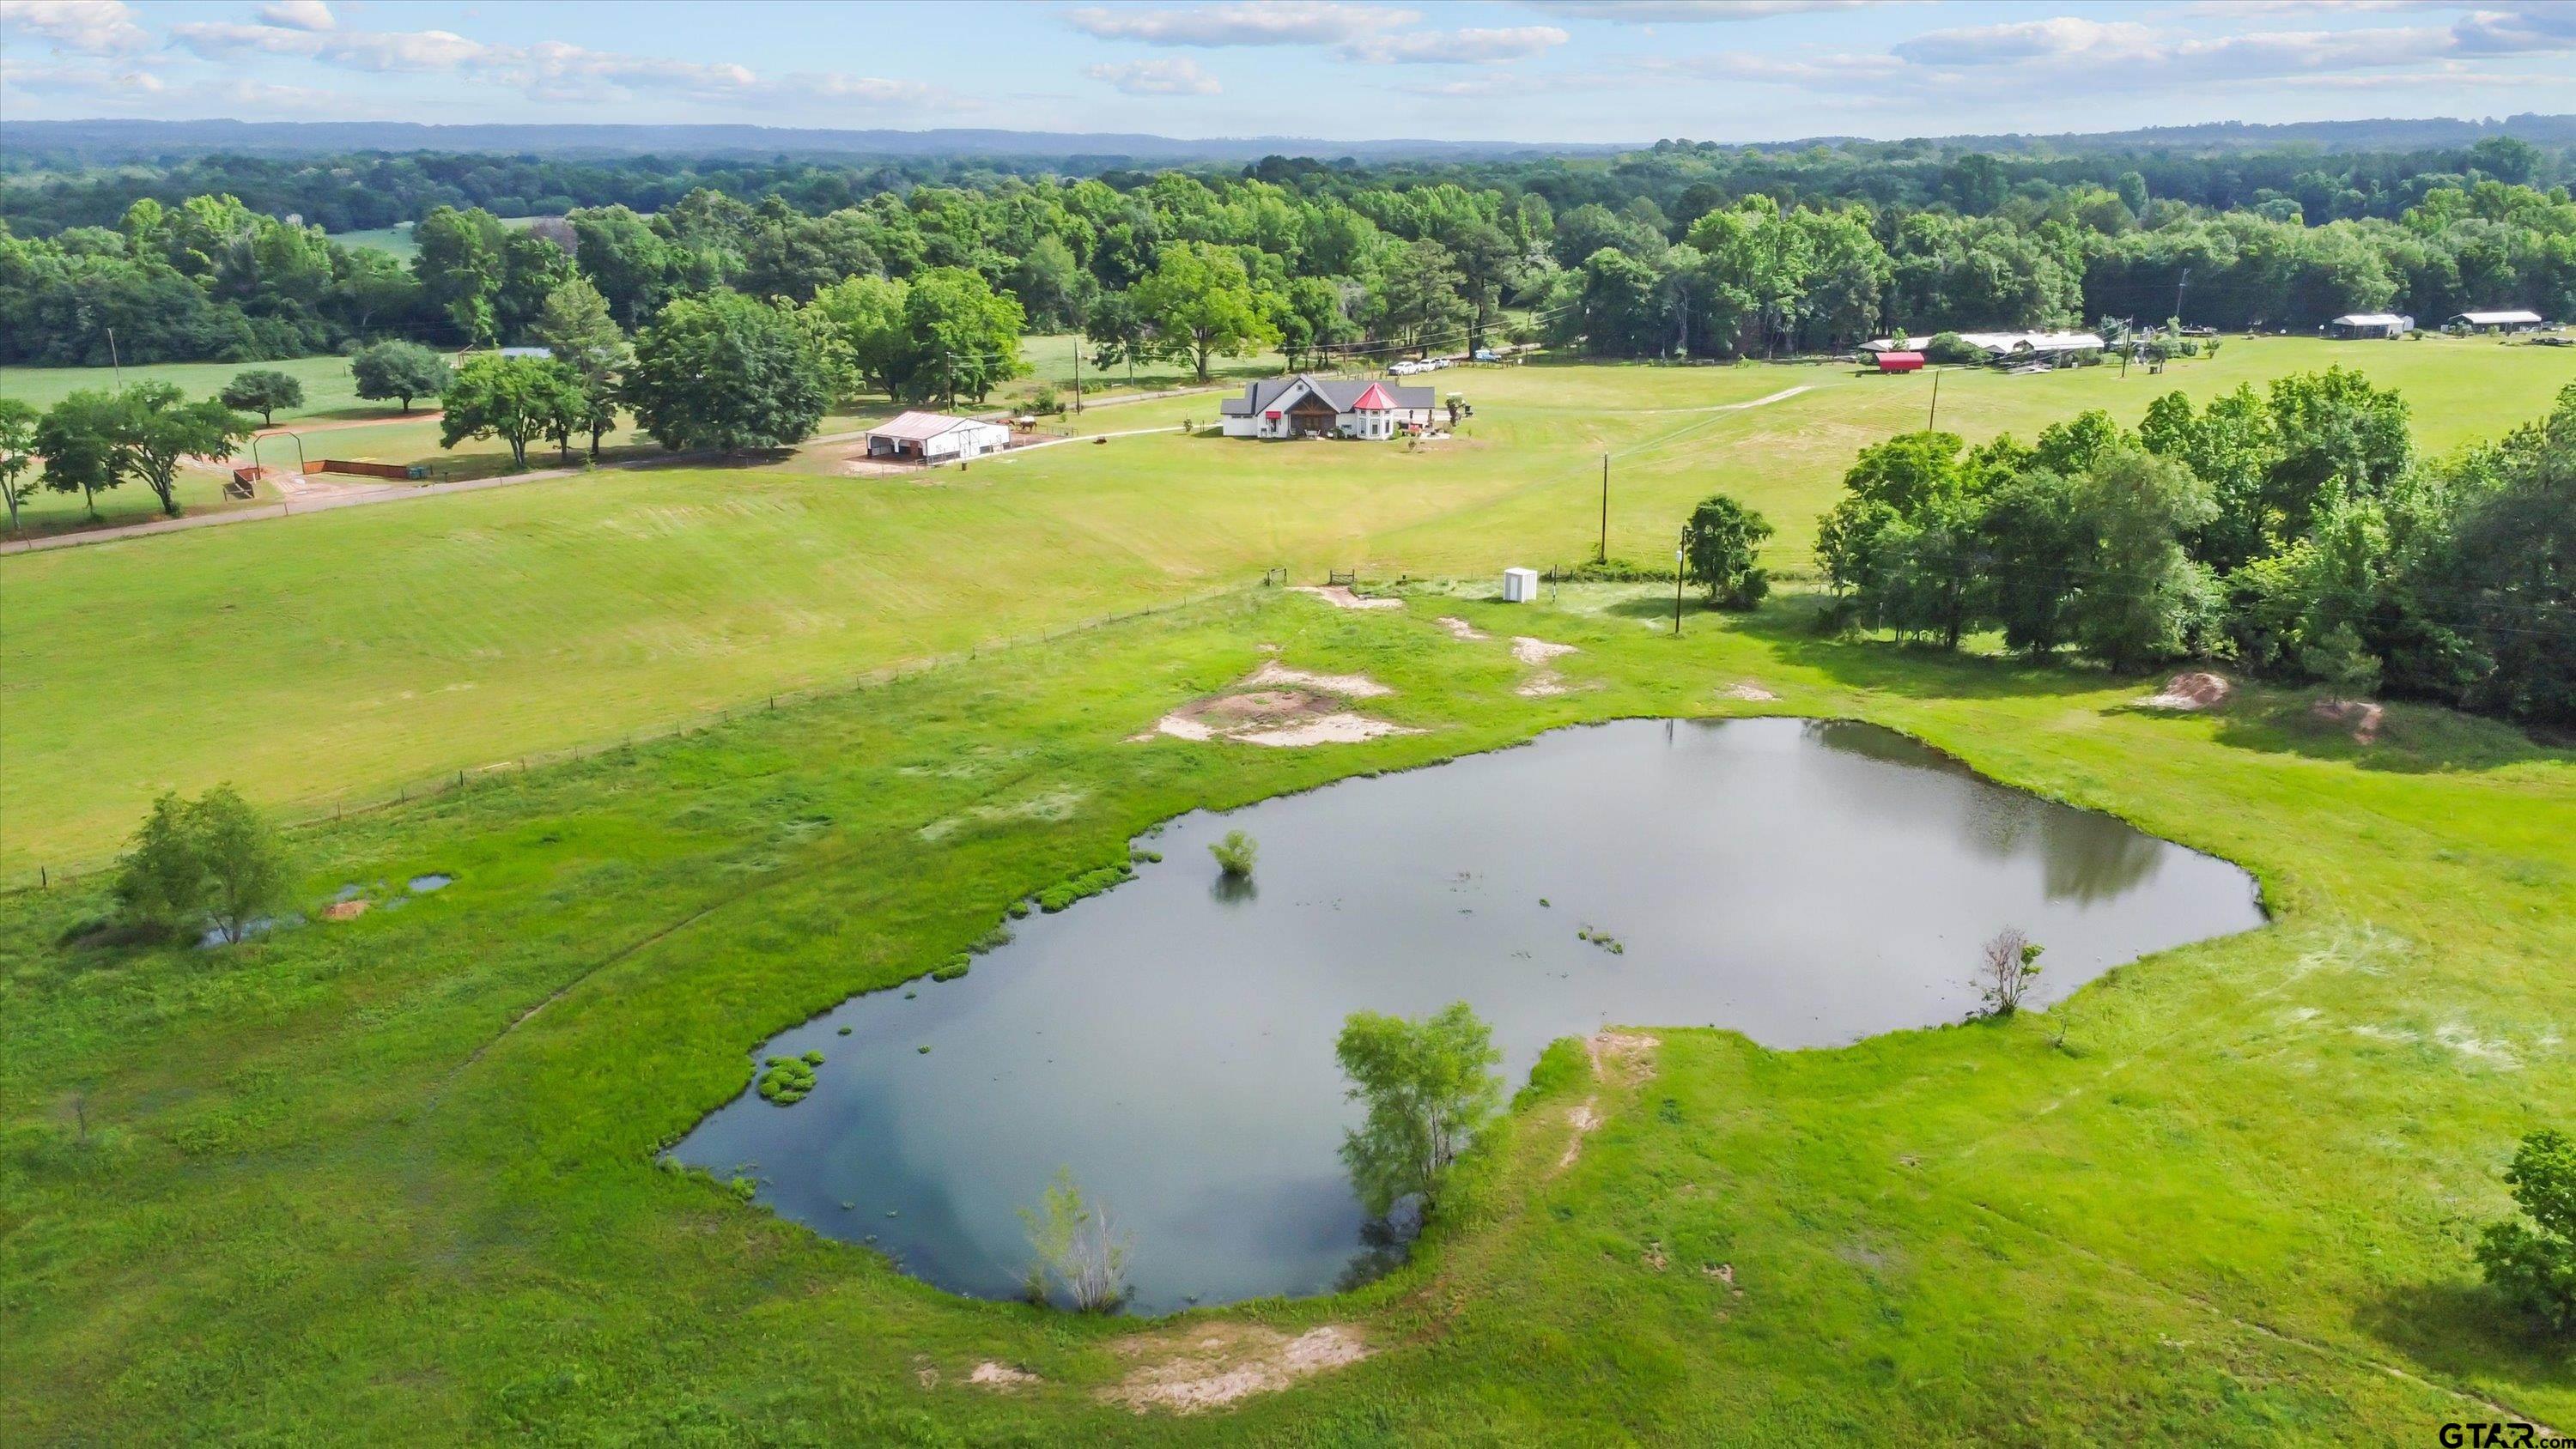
x: 314, y: 810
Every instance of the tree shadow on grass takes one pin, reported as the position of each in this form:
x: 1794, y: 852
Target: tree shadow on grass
x: 1914, y: 671
x: 2412, y: 739
x: 2463, y: 1334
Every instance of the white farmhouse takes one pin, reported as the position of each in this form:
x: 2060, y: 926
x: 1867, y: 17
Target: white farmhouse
x: 1306, y: 406
x: 932, y: 437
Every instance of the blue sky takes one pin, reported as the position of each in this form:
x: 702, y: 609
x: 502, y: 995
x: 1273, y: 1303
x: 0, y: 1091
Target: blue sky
x: 1727, y: 70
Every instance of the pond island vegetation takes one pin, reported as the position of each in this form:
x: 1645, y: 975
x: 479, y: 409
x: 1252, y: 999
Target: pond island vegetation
x: 719, y: 746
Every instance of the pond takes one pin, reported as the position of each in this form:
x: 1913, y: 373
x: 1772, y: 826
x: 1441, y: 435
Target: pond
x: 1171, y: 1042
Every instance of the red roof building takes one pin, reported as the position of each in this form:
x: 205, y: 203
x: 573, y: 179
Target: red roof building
x: 1900, y: 361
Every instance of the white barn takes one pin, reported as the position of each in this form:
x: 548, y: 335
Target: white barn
x: 2372, y: 324
x: 1306, y: 406
x: 2515, y: 321
x: 932, y: 437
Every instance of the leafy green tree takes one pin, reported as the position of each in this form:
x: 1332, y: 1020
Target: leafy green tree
x: 1077, y: 1250
x: 1415, y: 298
x: 2142, y: 596
x: 1119, y: 334
x: 576, y: 327
x: 513, y: 399
x: 17, y: 455
x: 2531, y: 1259
x: 1427, y: 1085
x: 2032, y: 540
x: 77, y: 438
x: 727, y: 372
x: 1200, y: 296
x: 1311, y: 320
x: 865, y: 317
x: 461, y: 268
x: 262, y: 390
x: 1723, y: 543
x: 400, y: 370
x: 214, y: 860
x: 2342, y: 663
x: 959, y: 338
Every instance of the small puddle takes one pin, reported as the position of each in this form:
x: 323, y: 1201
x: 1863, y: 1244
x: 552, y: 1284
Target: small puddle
x: 1171, y: 1042
x: 421, y: 885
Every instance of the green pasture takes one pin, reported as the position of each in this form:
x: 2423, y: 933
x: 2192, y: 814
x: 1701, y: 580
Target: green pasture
x: 393, y: 1180
x: 333, y: 658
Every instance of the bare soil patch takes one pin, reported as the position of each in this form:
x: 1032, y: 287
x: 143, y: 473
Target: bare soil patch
x: 1583, y: 1119
x: 1538, y: 654
x: 1281, y: 708
x: 2191, y: 691
x: 1629, y: 1054
x: 1001, y: 1377
x: 2361, y: 715
x: 1748, y: 691
x: 1341, y: 597
x: 1214, y: 1365
x: 344, y: 910
x: 1462, y: 631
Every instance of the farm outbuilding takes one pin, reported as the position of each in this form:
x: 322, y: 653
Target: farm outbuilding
x: 931, y: 437
x: 1893, y: 361
x: 2510, y: 321
x: 2371, y: 324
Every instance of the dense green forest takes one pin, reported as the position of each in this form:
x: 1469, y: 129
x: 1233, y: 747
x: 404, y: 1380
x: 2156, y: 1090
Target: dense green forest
x: 1684, y: 248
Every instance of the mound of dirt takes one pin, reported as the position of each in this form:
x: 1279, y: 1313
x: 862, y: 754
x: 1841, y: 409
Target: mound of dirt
x: 1341, y: 597
x: 1315, y: 711
x: 1001, y: 1377
x: 2194, y: 690
x: 2362, y: 715
x: 1220, y: 1363
x: 344, y: 910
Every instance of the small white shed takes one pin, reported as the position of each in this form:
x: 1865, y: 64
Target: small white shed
x: 931, y: 437
x: 1520, y: 586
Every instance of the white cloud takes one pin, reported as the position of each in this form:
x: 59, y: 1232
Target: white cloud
x: 1455, y: 47
x: 1288, y: 22
x: 1177, y: 77
x: 2056, y: 38
x: 85, y: 27
x: 298, y: 15
x: 77, y: 80
x: 1693, y: 12
x: 371, y: 50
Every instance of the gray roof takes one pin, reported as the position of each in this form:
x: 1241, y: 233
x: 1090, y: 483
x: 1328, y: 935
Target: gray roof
x: 1341, y: 393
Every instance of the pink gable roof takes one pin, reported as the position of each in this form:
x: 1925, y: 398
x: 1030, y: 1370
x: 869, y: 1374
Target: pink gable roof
x: 1374, y: 400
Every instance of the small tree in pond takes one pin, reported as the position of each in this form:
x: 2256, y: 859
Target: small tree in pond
x: 1721, y: 544
x: 2535, y: 1267
x: 1236, y: 853
x: 1428, y: 1086
x: 2011, y: 961
x: 262, y: 390
x: 1076, y: 1249
x: 211, y: 861
x: 399, y: 370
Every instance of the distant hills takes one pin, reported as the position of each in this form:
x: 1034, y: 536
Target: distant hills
x: 112, y: 141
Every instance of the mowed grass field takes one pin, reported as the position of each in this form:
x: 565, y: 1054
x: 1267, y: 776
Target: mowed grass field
x: 392, y: 1181
x: 341, y: 656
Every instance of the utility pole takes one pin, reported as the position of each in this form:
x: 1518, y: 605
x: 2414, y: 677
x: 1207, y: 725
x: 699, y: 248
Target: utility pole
x: 113, y: 364
x: 1935, y: 417
x: 1680, y: 550
x: 1077, y: 375
x: 1604, y: 555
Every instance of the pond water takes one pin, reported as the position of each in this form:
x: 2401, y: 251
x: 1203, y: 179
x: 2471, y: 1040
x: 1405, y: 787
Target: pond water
x: 1171, y: 1042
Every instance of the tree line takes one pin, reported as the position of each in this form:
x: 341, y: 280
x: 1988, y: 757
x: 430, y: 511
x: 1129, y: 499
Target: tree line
x: 1689, y: 250
x: 2295, y: 531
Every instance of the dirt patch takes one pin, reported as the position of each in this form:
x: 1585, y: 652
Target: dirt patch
x: 1747, y: 691
x: 1583, y: 1119
x: 1654, y: 1257
x: 1462, y: 631
x: 1340, y: 728
x: 1212, y: 1366
x: 1629, y: 1054
x: 1539, y: 655
x: 344, y: 910
x: 1313, y: 711
x: 1349, y: 686
x: 1001, y: 1377
x: 2196, y: 690
x: 2361, y: 715
x: 1341, y: 597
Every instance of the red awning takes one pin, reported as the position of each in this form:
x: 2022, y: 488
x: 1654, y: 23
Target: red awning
x: 1272, y: 415
x: 1374, y: 400
x: 1899, y: 361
